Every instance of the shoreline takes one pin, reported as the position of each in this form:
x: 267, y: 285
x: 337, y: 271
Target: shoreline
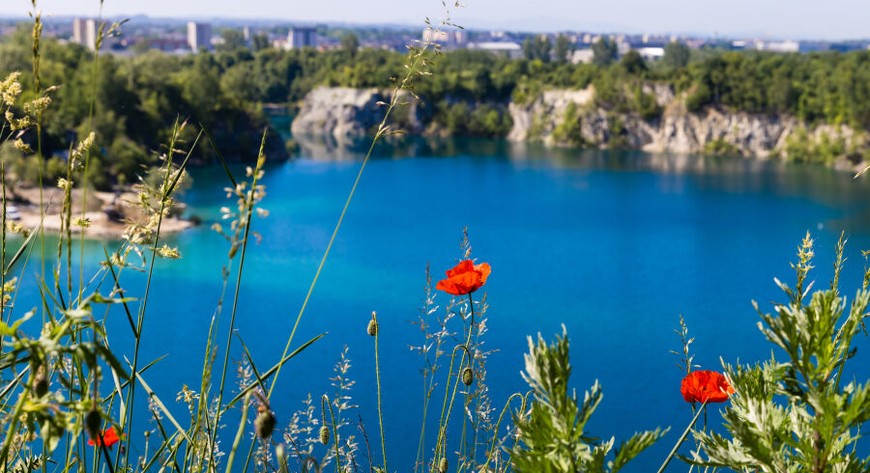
x: 108, y: 212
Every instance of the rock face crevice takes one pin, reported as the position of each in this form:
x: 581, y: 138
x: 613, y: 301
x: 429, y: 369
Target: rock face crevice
x: 572, y: 117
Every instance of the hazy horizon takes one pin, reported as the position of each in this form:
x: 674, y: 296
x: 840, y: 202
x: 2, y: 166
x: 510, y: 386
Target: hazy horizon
x: 801, y: 19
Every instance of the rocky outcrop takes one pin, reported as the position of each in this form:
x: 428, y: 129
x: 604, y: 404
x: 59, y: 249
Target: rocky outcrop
x: 344, y: 113
x: 540, y: 119
x: 751, y: 135
x: 571, y: 117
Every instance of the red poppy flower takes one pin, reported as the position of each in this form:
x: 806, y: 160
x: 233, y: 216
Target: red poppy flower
x: 465, y: 278
x: 109, y: 437
x: 705, y: 386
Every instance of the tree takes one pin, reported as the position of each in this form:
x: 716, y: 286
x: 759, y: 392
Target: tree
x: 676, y: 55
x: 260, y: 41
x: 564, y: 48
x: 604, y: 52
x: 232, y: 40
x: 633, y: 63
x: 537, y: 47
x: 350, y: 43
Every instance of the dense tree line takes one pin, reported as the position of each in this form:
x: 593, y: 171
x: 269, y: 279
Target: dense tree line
x: 133, y: 103
x: 138, y: 98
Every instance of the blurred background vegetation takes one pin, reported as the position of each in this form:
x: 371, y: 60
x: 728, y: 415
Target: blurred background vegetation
x: 138, y: 97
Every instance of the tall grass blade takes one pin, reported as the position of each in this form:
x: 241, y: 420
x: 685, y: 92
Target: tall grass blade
x: 218, y: 153
x: 273, y: 370
x: 162, y: 407
x: 24, y: 247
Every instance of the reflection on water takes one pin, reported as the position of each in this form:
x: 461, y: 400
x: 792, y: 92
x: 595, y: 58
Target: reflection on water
x: 731, y: 174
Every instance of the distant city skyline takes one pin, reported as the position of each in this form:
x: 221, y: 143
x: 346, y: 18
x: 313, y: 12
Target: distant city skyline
x: 797, y: 19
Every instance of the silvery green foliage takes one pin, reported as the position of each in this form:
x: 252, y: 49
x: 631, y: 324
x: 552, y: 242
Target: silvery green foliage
x: 552, y: 436
x: 798, y: 415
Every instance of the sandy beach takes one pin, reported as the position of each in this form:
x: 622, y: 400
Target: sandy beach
x: 107, y: 211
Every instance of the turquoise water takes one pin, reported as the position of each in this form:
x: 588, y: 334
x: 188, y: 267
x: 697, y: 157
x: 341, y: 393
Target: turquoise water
x: 614, y: 245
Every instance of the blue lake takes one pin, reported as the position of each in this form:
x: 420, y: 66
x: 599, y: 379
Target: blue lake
x: 614, y: 245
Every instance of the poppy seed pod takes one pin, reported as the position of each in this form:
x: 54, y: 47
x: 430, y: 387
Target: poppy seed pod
x: 40, y: 382
x: 265, y: 423
x: 442, y: 465
x: 324, y: 435
x: 92, y: 423
x: 372, y: 329
x: 467, y: 376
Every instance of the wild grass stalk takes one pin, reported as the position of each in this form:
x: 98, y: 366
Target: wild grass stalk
x: 416, y: 67
x: 36, y: 55
x: 374, y: 331
x: 242, y: 234
x: 168, y: 187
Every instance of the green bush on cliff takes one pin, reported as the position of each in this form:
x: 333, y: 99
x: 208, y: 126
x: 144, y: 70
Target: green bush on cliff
x: 569, y: 131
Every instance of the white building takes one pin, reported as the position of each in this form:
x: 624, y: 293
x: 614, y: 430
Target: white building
x: 301, y: 37
x: 779, y: 46
x: 651, y: 53
x: 582, y: 56
x: 85, y: 32
x: 508, y: 49
x: 450, y: 39
x: 198, y: 36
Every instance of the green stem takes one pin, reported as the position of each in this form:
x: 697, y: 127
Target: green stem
x: 85, y: 173
x: 248, y: 216
x: 166, y: 191
x: 492, y: 450
x: 380, y: 408
x: 413, y: 69
x: 441, y: 443
x: 682, y: 439
x: 239, y: 434
x: 324, y: 402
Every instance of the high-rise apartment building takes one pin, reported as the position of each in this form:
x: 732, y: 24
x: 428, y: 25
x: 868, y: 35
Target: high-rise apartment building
x: 85, y: 32
x: 198, y: 36
x: 301, y: 37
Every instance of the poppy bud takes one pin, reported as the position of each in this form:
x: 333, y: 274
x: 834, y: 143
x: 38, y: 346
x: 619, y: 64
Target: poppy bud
x: 442, y: 465
x: 372, y: 329
x: 93, y: 422
x: 265, y: 423
x: 324, y: 435
x: 467, y: 376
x: 40, y: 382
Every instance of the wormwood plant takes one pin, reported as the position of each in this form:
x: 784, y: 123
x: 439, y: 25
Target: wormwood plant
x: 552, y: 434
x: 801, y: 412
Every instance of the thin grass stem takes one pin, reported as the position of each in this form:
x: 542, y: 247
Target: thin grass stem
x: 380, y: 406
x: 681, y: 439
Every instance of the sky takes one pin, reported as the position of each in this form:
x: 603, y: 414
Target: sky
x: 787, y: 19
